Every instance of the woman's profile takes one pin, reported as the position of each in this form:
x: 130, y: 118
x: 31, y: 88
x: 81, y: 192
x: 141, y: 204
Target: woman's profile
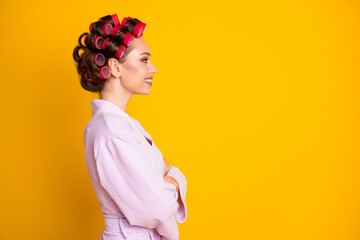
x: 140, y: 194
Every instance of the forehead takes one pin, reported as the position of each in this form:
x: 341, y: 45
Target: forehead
x: 139, y: 46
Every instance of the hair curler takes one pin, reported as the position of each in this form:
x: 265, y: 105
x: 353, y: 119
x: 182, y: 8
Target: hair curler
x: 107, y: 28
x: 115, y: 19
x: 139, y: 29
x: 124, y: 21
x: 115, y: 30
x: 120, y: 52
x: 143, y: 29
x: 98, y: 42
x: 127, y: 39
x: 105, y: 72
x: 99, y: 59
x: 104, y: 44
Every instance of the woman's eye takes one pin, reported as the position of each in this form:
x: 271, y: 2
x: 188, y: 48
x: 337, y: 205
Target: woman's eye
x: 146, y: 59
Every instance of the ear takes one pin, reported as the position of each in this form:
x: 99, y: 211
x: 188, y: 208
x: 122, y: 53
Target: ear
x: 115, y: 67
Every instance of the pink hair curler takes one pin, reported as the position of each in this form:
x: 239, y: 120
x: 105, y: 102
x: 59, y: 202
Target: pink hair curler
x: 98, y: 42
x: 143, y: 29
x: 139, y: 29
x: 99, y: 59
x: 104, y: 44
x: 105, y: 72
x: 115, y: 19
x: 124, y: 21
x: 107, y: 28
x: 88, y: 77
x: 120, y: 52
x: 127, y: 39
x: 115, y: 30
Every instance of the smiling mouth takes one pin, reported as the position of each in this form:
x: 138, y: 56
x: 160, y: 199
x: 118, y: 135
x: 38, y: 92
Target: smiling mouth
x: 148, y: 81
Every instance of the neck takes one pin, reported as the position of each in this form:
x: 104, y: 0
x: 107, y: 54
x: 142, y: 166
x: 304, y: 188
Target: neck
x: 114, y: 92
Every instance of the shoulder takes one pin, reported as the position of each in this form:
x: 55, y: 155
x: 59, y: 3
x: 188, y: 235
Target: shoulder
x: 103, y: 127
x: 107, y: 123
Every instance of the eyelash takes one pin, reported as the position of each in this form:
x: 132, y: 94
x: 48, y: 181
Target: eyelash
x: 145, y: 59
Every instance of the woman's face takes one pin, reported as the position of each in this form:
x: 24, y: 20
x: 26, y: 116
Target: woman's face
x: 136, y: 68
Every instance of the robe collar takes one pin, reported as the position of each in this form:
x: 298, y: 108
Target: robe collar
x: 101, y: 105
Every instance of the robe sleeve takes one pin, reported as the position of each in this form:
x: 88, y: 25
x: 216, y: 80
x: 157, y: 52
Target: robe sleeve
x: 181, y: 213
x: 127, y: 174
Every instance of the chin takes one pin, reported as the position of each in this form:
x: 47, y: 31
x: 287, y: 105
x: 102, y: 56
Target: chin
x: 146, y: 92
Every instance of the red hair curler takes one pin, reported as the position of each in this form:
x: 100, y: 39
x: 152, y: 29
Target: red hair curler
x: 127, y: 39
x: 139, y: 29
x: 104, y: 44
x: 115, y: 19
x: 143, y: 29
x: 98, y: 42
x: 107, y: 28
x: 120, y: 52
x: 99, y: 59
x: 115, y: 30
x: 105, y: 72
x: 124, y: 21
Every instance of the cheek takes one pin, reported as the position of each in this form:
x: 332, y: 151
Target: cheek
x: 135, y: 73
x: 132, y: 67
x: 136, y: 70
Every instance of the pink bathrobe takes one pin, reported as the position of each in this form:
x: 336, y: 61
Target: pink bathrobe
x: 126, y: 170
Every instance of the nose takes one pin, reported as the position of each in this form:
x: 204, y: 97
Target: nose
x: 153, y: 70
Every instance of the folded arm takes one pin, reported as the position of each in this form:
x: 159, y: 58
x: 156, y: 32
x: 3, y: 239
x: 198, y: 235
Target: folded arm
x: 139, y: 190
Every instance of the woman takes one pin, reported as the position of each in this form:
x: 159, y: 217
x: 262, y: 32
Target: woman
x: 140, y: 194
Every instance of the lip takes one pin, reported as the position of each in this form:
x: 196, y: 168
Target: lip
x: 149, y: 77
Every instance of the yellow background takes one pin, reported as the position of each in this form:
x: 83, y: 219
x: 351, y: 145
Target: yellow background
x: 256, y: 102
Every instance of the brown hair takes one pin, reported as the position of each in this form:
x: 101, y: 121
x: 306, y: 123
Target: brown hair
x: 86, y: 65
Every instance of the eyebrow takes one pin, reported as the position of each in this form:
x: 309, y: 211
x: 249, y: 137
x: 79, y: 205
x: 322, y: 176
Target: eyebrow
x: 146, y: 53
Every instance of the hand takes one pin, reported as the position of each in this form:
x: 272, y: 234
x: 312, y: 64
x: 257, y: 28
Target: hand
x: 166, y: 167
x: 172, y: 181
